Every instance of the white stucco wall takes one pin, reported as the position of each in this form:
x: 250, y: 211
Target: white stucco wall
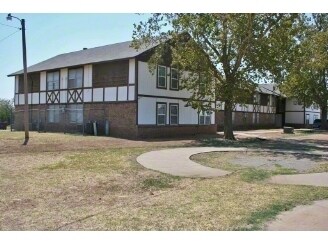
x: 147, y: 111
x: 63, y: 78
x: 87, y: 75
x: 147, y: 84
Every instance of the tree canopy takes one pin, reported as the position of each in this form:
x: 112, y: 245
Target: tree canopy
x: 308, y: 72
x: 224, y: 54
x: 6, y: 106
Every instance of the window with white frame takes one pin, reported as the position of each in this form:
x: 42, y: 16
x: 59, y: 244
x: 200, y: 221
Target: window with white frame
x: 53, y: 114
x: 161, y: 77
x: 75, y: 78
x: 161, y: 114
x: 256, y: 98
x: 205, y: 118
x: 174, y: 114
x: 174, y: 79
x: 75, y: 113
x: 53, y: 80
x: 307, y: 119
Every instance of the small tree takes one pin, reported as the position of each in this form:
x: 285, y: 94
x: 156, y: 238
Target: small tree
x: 6, y: 107
x: 308, y: 73
x: 225, y: 54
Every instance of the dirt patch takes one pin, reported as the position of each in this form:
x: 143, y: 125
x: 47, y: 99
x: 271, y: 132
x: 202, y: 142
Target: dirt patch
x: 263, y: 160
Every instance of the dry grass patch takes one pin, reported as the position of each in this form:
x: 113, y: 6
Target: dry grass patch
x: 106, y: 189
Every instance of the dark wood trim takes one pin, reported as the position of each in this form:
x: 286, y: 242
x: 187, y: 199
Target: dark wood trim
x: 136, y: 92
x: 174, y: 104
x: 298, y: 111
x: 157, y: 86
x: 172, y: 126
x: 109, y: 102
x: 168, y: 97
x: 157, y: 103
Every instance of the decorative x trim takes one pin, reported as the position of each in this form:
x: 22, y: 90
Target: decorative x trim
x: 75, y: 96
x: 53, y: 97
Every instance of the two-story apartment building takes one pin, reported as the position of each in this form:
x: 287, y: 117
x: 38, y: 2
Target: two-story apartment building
x: 269, y: 108
x: 110, y: 85
x: 264, y: 110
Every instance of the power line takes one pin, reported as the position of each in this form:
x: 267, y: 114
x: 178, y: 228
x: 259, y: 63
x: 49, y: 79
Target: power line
x: 10, y: 26
x: 8, y: 36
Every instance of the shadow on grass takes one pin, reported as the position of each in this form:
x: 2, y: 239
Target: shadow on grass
x: 275, y: 145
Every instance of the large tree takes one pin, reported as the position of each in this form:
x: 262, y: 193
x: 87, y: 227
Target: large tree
x: 307, y: 78
x: 225, y: 54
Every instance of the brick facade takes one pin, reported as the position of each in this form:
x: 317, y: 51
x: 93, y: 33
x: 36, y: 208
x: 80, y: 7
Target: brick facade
x: 175, y: 131
x: 245, y: 121
x: 120, y: 116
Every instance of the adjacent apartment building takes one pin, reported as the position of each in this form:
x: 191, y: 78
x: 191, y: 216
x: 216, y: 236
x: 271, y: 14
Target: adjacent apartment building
x: 269, y: 108
x: 112, y: 85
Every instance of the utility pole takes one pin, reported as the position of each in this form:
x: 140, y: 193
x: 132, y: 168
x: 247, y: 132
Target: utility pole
x: 26, y: 113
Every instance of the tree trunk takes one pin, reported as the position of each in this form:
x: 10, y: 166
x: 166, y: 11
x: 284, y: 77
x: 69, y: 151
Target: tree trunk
x: 228, y: 130
x: 324, y: 106
x: 324, y: 124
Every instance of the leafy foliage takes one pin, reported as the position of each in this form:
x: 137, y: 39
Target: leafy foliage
x: 6, y: 106
x: 225, y: 54
x: 308, y: 72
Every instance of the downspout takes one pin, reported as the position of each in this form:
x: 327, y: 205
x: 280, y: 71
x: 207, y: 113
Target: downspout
x: 304, y: 113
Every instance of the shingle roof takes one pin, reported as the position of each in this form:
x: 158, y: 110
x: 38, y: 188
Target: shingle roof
x: 271, y: 89
x: 98, y: 54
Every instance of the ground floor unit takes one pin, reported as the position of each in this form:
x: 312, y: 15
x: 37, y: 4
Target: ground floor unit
x: 150, y: 118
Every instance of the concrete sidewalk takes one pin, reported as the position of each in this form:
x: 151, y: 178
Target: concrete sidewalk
x: 176, y: 162
x: 302, y: 218
x: 314, y: 179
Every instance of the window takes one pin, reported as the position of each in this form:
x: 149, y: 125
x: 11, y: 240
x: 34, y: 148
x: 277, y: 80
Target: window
x: 53, y: 113
x: 53, y: 81
x: 256, y: 98
x: 161, y: 77
x: 174, y: 114
x: 264, y: 99
x: 307, y: 119
x: 205, y: 118
x: 244, y: 116
x: 256, y: 118
x: 161, y: 114
x: 75, y: 78
x: 174, y: 79
x: 75, y: 113
x: 233, y: 117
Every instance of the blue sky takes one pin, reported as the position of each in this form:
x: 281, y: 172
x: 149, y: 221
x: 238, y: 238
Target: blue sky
x: 51, y: 34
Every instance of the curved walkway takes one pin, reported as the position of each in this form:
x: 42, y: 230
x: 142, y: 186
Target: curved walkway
x: 312, y: 217
x: 176, y: 162
x: 314, y: 179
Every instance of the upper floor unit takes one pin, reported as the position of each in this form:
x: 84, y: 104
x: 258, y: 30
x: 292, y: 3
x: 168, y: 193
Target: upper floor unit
x: 111, y: 73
